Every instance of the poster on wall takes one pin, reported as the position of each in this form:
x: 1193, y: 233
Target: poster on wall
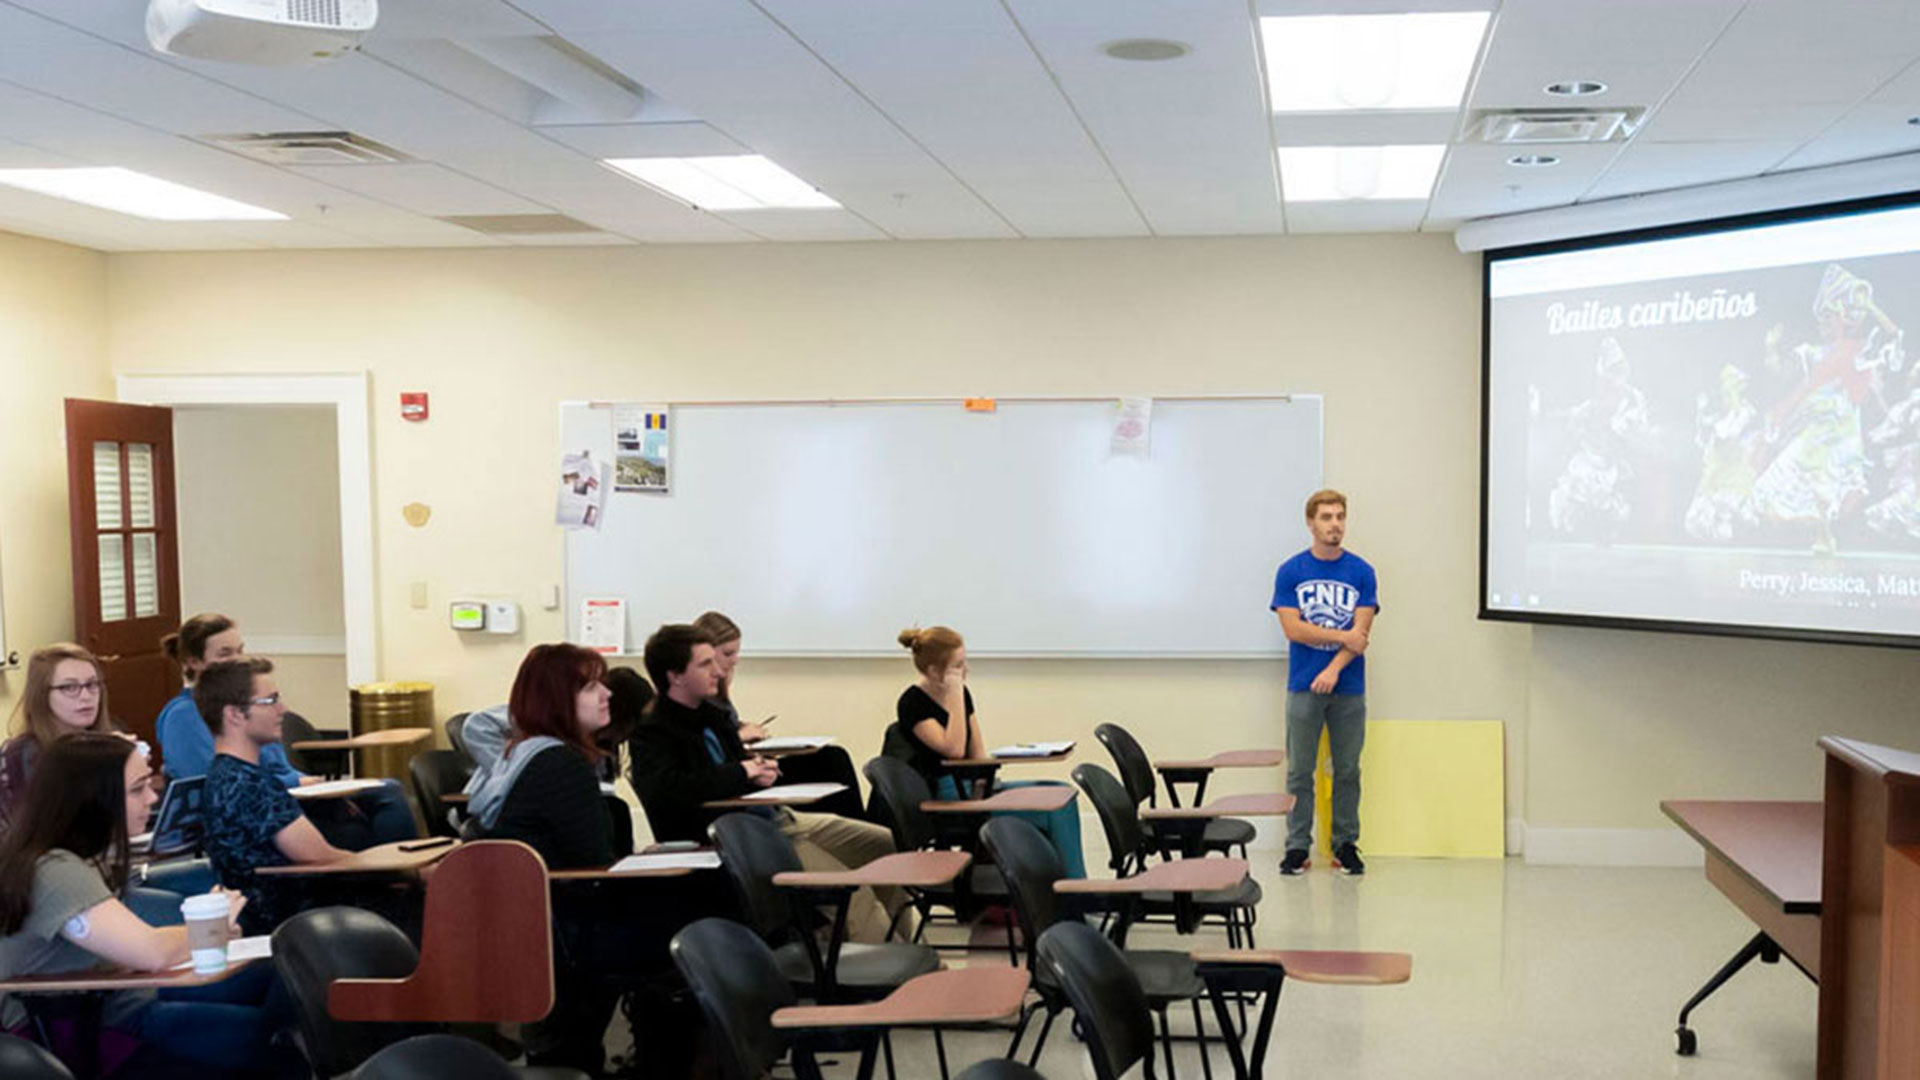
x: 581, y: 500
x: 640, y: 448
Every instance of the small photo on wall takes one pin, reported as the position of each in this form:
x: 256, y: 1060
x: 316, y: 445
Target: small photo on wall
x: 641, y: 442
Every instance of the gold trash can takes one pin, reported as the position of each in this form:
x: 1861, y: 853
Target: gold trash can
x: 382, y: 707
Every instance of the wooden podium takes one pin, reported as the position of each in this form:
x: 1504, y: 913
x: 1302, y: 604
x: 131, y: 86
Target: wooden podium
x: 1870, y: 913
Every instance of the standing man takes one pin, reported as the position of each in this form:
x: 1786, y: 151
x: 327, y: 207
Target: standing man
x: 1326, y: 598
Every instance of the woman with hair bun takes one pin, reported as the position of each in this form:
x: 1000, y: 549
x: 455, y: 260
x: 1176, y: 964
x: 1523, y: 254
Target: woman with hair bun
x: 935, y: 723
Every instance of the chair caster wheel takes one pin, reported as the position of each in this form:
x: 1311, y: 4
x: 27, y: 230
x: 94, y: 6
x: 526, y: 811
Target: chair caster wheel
x: 1687, y: 1042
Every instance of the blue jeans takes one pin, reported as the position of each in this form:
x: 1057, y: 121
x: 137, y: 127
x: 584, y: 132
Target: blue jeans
x: 1061, y: 827
x: 1344, y: 716
x: 225, y: 1025
x: 377, y: 816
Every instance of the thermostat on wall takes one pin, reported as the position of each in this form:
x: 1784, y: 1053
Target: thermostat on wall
x: 503, y: 617
x: 467, y: 615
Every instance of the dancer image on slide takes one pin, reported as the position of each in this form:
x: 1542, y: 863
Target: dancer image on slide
x: 1821, y: 472
x: 1590, y: 496
x: 1727, y: 442
x: 1897, y: 514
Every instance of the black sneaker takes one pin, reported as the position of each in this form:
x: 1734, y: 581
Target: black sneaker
x: 1347, y: 858
x: 1295, y: 862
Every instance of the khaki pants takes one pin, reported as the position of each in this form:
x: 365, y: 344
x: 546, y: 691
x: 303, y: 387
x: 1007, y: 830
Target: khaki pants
x: 831, y: 842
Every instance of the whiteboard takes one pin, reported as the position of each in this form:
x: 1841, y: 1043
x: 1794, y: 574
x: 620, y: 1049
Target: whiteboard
x: 824, y: 529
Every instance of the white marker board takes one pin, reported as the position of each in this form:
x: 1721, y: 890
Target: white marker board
x: 824, y: 529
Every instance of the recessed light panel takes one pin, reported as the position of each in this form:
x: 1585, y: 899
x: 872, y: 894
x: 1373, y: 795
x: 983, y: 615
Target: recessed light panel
x: 127, y: 192
x: 1330, y: 173
x: 738, y: 182
x: 1333, y: 63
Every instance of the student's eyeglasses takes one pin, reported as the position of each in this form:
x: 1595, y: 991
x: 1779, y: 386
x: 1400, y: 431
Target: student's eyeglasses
x: 265, y: 702
x: 78, y: 689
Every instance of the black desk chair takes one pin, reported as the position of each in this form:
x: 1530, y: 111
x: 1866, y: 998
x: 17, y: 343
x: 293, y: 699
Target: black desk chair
x: 450, y: 1057
x: 1106, y: 997
x: 296, y: 728
x: 456, y: 738
x: 22, y: 1060
x: 752, y: 851
x: 1031, y: 866
x: 437, y: 773
x: 1129, y: 844
x: 898, y: 792
x: 1136, y: 772
x: 314, y: 948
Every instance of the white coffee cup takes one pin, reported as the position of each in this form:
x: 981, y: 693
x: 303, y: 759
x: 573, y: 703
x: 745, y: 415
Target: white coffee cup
x: 206, y: 916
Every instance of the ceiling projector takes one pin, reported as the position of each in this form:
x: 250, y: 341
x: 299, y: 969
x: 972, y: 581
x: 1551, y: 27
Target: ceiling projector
x: 278, y: 33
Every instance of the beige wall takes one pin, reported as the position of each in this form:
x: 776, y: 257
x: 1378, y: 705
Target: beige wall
x: 52, y: 346
x: 1600, y: 724
x: 259, y: 497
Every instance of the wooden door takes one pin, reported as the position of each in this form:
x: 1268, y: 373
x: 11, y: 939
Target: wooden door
x: 126, y: 560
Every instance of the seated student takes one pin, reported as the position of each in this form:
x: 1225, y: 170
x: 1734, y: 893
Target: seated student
x: 378, y: 816
x: 250, y: 819
x: 64, y: 695
x: 687, y: 752
x: 925, y: 732
x: 828, y: 764
x: 60, y: 869
x: 544, y: 791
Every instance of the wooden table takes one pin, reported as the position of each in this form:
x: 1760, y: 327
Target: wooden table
x: 1196, y: 771
x: 1187, y: 825
x: 1181, y: 877
x: 777, y: 795
x: 812, y: 889
x: 1765, y: 857
x: 1051, y: 797
x: 400, y: 736
x: 608, y: 873
x: 1231, y: 972
x: 975, y: 995
x: 333, y: 789
x: 384, y: 859
x: 93, y: 988
x: 975, y: 775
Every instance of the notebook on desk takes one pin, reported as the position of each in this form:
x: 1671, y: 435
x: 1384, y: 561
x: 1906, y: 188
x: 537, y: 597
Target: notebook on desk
x: 1037, y: 749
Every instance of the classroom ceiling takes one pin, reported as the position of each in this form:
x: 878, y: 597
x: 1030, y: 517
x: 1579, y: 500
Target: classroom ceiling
x: 924, y: 119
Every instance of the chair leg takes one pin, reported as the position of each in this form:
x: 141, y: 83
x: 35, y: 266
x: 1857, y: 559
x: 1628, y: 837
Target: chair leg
x: 1020, y: 1030
x: 886, y: 1047
x: 1200, y: 1033
x: 1166, y: 1045
x: 940, y: 1048
x: 1041, y: 1042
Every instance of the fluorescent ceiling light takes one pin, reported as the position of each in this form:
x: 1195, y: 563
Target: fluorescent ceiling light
x: 1333, y: 63
x: 740, y: 182
x: 1330, y: 173
x: 127, y: 192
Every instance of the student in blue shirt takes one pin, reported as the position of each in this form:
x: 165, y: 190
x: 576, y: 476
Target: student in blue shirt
x: 1326, y: 598
x: 379, y: 816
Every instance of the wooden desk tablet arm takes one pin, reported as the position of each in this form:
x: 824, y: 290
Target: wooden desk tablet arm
x: 479, y: 962
x: 949, y: 997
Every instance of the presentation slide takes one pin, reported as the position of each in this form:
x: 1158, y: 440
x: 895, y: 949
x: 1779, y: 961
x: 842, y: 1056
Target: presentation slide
x: 1717, y: 428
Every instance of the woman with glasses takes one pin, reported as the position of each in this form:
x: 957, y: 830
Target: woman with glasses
x: 65, y: 694
x: 63, y: 870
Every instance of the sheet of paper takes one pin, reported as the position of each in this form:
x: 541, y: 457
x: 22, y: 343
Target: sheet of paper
x: 641, y: 456
x: 793, y: 742
x: 330, y: 788
x: 603, y: 625
x: 580, y: 500
x: 796, y: 791
x: 1037, y: 749
x: 244, y: 948
x: 691, y: 860
x: 1133, y: 427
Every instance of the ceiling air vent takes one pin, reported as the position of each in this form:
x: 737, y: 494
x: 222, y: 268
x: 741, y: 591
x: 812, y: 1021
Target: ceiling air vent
x: 521, y: 224
x: 1516, y: 126
x: 308, y: 148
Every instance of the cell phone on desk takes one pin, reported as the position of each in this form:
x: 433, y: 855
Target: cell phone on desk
x: 428, y: 845
x: 675, y: 845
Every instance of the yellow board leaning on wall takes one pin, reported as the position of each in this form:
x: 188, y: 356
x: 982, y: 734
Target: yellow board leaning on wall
x: 1428, y: 787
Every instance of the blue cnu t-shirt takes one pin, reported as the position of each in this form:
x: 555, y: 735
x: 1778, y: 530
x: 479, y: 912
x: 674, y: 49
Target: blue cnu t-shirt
x: 1325, y: 593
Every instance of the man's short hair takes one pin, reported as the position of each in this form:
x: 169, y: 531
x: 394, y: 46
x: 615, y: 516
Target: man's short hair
x: 1323, y: 497
x: 228, y: 682
x: 670, y: 650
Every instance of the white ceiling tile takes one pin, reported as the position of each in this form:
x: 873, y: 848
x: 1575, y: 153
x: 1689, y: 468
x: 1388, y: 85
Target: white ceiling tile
x: 1477, y: 181
x: 1733, y: 123
x: 1637, y: 47
x: 690, y: 138
x: 1659, y: 166
x: 1867, y: 131
x: 1358, y: 215
x: 423, y: 189
x: 15, y: 155
x: 1790, y: 52
x: 803, y: 225
x: 1189, y: 138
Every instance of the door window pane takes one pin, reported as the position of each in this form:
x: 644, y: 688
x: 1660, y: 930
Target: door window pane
x: 146, y: 576
x: 113, y: 578
x: 140, y: 485
x: 106, y: 485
